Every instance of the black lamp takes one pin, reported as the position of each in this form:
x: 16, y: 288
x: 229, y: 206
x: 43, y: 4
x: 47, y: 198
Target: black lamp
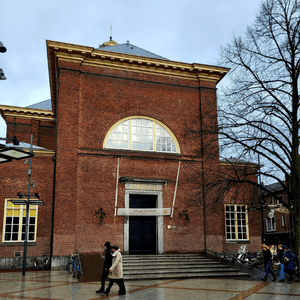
x: 2, y: 48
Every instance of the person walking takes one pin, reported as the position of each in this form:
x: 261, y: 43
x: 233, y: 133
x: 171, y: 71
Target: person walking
x: 288, y: 257
x: 280, y: 258
x: 116, y: 272
x: 106, y: 266
x: 267, y: 262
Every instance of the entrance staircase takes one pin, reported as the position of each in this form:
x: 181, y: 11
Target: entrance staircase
x: 167, y: 266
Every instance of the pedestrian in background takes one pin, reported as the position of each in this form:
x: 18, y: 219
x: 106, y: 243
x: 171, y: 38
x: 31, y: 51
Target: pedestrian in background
x: 106, y: 266
x: 116, y: 272
x: 267, y: 262
x: 280, y: 258
x: 288, y: 257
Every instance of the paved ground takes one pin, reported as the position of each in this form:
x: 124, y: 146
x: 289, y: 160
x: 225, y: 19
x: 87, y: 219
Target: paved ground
x: 60, y: 285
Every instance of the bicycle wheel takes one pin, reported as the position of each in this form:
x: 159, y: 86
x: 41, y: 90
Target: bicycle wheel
x: 48, y: 263
x: 76, y: 273
x: 39, y: 264
x: 43, y: 264
x: 77, y: 270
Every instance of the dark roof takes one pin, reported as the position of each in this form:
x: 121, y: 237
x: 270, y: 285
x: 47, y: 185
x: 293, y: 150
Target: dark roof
x: 46, y: 105
x: 274, y: 187
x: 23, y: 145
x: 128, y: 48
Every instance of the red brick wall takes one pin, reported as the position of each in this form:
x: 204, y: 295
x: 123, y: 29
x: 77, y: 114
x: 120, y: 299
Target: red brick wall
x: 240, y: 194
x: 14, y: 179
x: 43, y: 131
x: 88, y: 105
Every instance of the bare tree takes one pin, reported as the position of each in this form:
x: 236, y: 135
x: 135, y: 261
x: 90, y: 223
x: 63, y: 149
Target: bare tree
x: 259, y: 108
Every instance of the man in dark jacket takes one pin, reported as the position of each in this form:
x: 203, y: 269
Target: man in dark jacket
x: 288, y: 257
x: 106, y: 266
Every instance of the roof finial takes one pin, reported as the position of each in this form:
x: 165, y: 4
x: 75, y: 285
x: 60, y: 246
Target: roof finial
x: 110, y: 38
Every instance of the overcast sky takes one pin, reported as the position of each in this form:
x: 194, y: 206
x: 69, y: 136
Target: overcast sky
x: 189, y: 31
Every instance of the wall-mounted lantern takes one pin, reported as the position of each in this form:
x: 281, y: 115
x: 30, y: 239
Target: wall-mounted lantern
x: 184, y: 214
x: 100, y: 213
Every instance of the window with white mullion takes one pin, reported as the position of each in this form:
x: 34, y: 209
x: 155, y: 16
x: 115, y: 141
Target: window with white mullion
x: 164, y: 142
x: 242, y: 222
x: 129, y: 135
x: 119, y: 136
x: 141, y: 134
x: 15, y: 222
x: 271, y: 224
x: 236, y: 219
x: 230, y: 223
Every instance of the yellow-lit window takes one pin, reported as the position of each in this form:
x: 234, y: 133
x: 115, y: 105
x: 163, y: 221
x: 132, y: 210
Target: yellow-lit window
x: 236, y: 220
x: 15, y: 221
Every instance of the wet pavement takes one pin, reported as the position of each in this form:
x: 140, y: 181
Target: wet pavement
x: 60, y: 285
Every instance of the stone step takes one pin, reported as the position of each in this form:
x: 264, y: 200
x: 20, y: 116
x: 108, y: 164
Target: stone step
x: 186, y: 275
x: 157, y: 262
x: 162, y: 256
x: 166, y: 266
x: 196, y: 270
x: 170, y: 265
x: 166, y: 259
x: 178, y: 260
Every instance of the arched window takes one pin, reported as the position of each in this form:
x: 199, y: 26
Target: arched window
x: 142, y: 134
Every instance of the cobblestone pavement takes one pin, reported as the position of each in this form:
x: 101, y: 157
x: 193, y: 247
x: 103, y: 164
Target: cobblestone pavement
x: 60, y: 285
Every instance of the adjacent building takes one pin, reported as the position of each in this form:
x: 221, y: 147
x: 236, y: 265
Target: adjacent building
x: 278, y: 220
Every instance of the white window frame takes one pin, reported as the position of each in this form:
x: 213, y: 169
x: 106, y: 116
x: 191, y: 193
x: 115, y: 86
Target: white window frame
x: 283, y: 221
x: 128, y: 136
x: 276, y: 200
x: 270, y: 224
x: 17, y: 229
x: 236, y: 223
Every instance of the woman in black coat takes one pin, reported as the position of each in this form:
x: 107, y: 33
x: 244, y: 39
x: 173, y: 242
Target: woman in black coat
x: 106, y: 266
x: 267, y: 262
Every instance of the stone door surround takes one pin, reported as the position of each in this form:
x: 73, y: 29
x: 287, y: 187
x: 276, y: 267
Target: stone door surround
x: 146, y: 189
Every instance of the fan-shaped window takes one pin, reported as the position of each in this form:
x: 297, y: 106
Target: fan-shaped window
x: 143, y: 134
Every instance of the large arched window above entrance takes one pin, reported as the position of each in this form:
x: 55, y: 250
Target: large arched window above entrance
x: 141, y: 134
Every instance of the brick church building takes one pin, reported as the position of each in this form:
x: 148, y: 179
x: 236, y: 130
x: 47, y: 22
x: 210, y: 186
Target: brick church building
x: 113, y: 159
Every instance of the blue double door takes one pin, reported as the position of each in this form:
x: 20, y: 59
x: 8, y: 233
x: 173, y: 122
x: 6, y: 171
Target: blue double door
x: 142, y: 229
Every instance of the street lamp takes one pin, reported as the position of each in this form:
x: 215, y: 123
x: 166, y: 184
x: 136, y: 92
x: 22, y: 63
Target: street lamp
x: 2, y: 75
x: 7, y: 154
x: 2, y: 50
x: 29, y: 201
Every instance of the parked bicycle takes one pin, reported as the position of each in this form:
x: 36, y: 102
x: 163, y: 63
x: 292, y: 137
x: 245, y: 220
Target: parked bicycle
x: 42, y: 263
x: 254, y: 259
x: 74, y: 266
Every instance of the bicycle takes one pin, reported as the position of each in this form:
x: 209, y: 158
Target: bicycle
x: 74, y: 266
x: 42, y: 263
